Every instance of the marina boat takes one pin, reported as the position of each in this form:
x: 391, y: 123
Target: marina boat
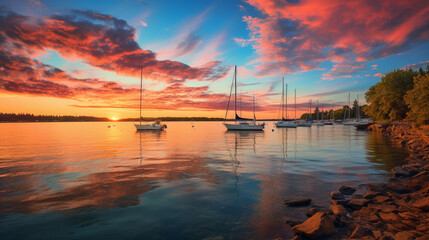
x: 331, y: 117
x: 156, y: 126
x: 348, y: 121
x: 285, y: 123
x: 241, y: 124
x: 309, y: 121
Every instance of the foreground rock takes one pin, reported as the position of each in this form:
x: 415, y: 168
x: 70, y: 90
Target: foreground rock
x: 318, y: 226
x: 297, y: 202
x: 346, y: 190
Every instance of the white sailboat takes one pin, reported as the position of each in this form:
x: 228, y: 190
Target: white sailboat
x: 241, y: 124
x: 157, y: 126
x: 348, y: 121
x: 286, y: 123
x: 308, y: 122
x: 331, y: 117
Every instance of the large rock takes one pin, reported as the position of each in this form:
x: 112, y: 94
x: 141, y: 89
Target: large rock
x: 381, y: 199
x: 376, y: 187
x: 310, y: 212
x: 423, y: 204
x: 318, y: 226
x: 371, y: 195
x: 357, y: 204
x: 338, y: 210
x: 404, y: 236
x: 339, y: 202
x: 389, y: 217
x: 346, y: 190
x: 296, y: 202
x: 336, y: 195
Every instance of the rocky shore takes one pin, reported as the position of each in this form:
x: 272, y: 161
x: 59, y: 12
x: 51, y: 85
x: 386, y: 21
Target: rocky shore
x: 397, y: 210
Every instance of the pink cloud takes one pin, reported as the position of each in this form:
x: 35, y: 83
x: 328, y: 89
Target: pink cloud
x: 307, y: 32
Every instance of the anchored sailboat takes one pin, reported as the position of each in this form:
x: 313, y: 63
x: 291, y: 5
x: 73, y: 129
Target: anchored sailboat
x: 157, y: 126
x: 288, y: 123
x: 243, y: 123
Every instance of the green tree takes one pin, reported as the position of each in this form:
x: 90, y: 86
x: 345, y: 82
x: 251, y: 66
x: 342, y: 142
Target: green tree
x: 386, y: 98
x: 417, y: 100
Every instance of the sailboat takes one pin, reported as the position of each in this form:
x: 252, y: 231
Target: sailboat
x: 157, y: 126
x: 309, y: 121
x: 288, y: 123
x: 349, y: 122
x: 242, y: 124
x: 331, y: 117
x: 319, y: 123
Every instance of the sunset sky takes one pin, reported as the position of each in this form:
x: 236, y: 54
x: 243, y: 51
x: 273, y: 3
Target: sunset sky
x: 84, y: 57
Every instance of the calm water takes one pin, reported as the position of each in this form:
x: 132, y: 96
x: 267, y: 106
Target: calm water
x: 85, y: 180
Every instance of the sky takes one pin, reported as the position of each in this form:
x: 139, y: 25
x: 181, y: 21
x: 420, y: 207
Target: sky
x: 87, y: 57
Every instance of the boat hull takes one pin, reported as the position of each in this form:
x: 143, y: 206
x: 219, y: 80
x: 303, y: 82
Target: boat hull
x: 286, y: 125
x: 155, y: 127
x: 320, y: 124
x: 351, y: 123
x: 240, y: 127
x: 305, y: 124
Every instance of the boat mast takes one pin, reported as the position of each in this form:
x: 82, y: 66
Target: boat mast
x: 235, y: 94
x: 254, y: 116
x: 283, y: 96
x: 349, y: 108
x: 286, y: 100
x: 317, y: 114
x: 295, y: 104
x: 141, y: 87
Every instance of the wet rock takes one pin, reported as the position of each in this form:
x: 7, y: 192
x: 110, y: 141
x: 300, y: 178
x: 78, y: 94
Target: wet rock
x: 403, y: 236
x: 338, y: 210
x: 358, y: 232
x: 357, y: 204
x: 373, y: 218
x: 318, y: 226
x: 357, y: 196
x: 346, y: 190
x: 292, y: 221
x: 339, y: 202
x: 335, y: 195
x: 376, y: 187
x: 423, y: 228
x: 377, y: 234
x: 408, y: 216
x: 297, y: 202
x: 371, y: 195
x: 389, y: 217
x: 423, y: 204
x: 310, y: 212
x: 381, y: 199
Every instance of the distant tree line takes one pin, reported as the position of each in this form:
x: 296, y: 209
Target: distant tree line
x: 401, y: 94
x: 338, y: 114
x: 25, y: 117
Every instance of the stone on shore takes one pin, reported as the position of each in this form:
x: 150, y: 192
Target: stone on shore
x: 310, y: 212
x: 338, y: 210
x: 339, y: 202
x: 298, y: 202
x: 423, y: 204
x: 337, y: 195
x: 318, y: 226
x: 371, y: 195
x: 389, y: 217
x: 381, y: 199
x: 346, y: 190
x: 399, y: 172
x: 376, y: 187
x: 292, y: 221
x: 357, y: 204
x: 404, y: 236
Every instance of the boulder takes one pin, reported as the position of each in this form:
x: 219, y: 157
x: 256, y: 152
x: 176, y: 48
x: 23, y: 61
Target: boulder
x: 357, y: 196
x: 389, y: 217
x: 399, y: 172
x: 376, y: 187
x: 310, y: 212
x: 336, y: 195
x: 339, y: 202
x: 403, y: 236
x: 422, y: 203
x: 381, y: 199
x: 346, y: 190
x: 318, y: 226
x: 408, y: 216
x: 297, y: 202
x: 371, y: 195
x: 292, y: 221
x: 357, y: 204
x: 338, y: 210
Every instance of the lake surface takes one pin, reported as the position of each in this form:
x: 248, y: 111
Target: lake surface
x: 85, y: 180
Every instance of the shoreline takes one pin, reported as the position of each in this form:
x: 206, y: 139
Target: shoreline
x: 397, y: 209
